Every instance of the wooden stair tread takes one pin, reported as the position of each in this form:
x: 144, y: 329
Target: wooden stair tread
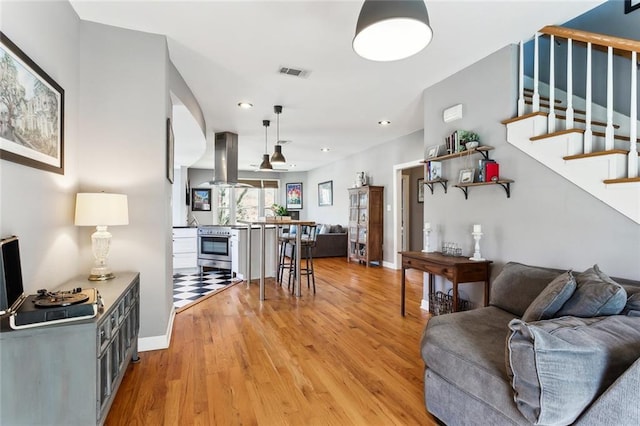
x: 558, y: 107
x: 582, y: 120
x: 529, y: 92
x: 558, y: 133
x: 596, y: 154
x: 622, y: 180
x: 619, y: 137
x: 523, y: 117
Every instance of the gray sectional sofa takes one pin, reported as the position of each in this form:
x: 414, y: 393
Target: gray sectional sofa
x: 553, y: 347
x: 331, y: 241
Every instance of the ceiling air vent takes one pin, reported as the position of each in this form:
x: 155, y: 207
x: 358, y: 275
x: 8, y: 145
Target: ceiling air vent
x: 294, y: 72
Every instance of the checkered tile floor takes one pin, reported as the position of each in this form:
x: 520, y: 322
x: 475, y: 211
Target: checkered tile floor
x: 188, y: 288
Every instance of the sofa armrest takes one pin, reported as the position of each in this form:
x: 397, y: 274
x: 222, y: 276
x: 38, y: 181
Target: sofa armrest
x: 619, y: 404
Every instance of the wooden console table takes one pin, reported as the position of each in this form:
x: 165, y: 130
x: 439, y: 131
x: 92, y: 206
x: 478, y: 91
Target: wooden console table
x: 455, y: 269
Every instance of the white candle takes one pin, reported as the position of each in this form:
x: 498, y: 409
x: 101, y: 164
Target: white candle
x: 427, y: 226
x: 477, y: 228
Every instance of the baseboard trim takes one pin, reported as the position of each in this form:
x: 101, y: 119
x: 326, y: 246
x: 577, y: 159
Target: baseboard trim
x: 158, y: 342
x: 389, y: 265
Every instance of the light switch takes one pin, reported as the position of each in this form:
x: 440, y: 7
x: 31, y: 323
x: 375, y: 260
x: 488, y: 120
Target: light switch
x: 388, y: 207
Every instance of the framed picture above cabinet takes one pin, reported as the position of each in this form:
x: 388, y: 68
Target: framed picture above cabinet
x: 201, y: 199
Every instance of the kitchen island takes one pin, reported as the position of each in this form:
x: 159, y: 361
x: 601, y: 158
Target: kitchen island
x: 263, y: 240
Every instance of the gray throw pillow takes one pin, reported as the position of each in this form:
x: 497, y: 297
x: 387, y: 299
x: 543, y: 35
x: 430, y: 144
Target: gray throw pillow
x: 560, y: 366
x: 596, y: 295
x: 633, y: 305
x: 551, y: 299
x: 517, y: 285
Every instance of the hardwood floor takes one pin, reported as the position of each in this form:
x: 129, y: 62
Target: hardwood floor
x: 343, y: 356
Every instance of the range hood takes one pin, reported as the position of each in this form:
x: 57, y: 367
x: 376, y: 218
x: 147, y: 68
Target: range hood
x: 226, y: 159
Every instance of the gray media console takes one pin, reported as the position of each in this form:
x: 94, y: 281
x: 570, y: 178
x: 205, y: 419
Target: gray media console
x: 68, y: 374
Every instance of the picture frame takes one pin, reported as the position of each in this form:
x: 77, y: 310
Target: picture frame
x: 435, y: 170
x: 170, y: 151
x: 325, y: 193
x: 201, y: 199
x: 33, y: 143
x: 631, y: 5
x: 432, y: 151
x: 421, y: 190
x: 466, y: 176
x: 293, y: 196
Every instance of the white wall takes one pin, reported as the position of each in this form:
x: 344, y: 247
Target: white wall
x: 547, y: 221
x: 377, y: 162
x: 35, y: 205
x: 124, y: 99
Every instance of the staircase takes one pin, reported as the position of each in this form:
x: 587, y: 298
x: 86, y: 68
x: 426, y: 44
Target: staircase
x: 594, y: 147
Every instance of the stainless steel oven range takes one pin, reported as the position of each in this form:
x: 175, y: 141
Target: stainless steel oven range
x: 214, y: 249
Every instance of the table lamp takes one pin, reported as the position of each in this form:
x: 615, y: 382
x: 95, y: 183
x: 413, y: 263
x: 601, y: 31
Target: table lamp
x: 101, y: 210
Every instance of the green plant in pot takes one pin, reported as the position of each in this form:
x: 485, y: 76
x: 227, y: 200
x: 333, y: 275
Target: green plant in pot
x: 279, y: 210
x: 470, y: 140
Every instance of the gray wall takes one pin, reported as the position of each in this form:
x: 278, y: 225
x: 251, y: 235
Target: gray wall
x: 116, y: 103
x: 124, y: 99
x: 377, y: 162
x: 548, y: 220
x: 35, y: 205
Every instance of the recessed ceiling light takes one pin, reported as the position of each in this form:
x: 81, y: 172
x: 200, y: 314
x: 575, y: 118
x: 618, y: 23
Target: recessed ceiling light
x: 291, y: 166
x: 245, y: 105
x: 384, y: 122
x: 325, y: 149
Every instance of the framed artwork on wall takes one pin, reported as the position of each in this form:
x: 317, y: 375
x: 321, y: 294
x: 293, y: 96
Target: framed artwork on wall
x: 631, y: 5
x: 201, y: 199
x: 294, y: 196
x: 170, y: 150
x: 421, y: 190
x: 31, y: 112
x: 325, y: 193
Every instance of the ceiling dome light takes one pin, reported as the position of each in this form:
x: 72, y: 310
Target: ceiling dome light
x: 245, y: 105
x: 392, y: 30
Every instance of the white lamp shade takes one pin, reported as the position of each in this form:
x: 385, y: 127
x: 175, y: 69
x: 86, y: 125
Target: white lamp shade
x: 392, y: 30
x: 93, y: 209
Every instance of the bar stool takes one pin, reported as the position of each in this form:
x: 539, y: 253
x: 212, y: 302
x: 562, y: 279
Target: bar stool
x: 284, y: 239
x: 308, y: 242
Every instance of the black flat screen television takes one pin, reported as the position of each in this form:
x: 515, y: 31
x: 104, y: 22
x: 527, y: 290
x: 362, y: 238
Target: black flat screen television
x: 11, y: 287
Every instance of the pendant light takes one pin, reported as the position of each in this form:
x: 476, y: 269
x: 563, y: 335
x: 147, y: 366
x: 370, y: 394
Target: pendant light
x: 389, y: 30
x: 265, y: 165
x: 277, y: 156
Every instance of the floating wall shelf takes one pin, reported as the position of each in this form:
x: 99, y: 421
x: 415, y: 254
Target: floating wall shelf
x: 504, y: 183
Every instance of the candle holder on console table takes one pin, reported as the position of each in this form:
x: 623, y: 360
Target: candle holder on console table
x: 476, y: 253
x: 427, y: 233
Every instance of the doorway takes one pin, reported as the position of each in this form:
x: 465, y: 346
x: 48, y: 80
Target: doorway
x: 408, y: 213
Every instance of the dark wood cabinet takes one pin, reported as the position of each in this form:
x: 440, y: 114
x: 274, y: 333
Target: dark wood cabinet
x: 366, y: 207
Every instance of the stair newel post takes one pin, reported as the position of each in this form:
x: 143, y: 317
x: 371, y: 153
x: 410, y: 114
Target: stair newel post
x: 521, y: 79
x: 552, y: 87
x: 588, y: 135
x: 608, y: 134
x: 536, y: 94
x: 632, y: 168
x: 569, y: 121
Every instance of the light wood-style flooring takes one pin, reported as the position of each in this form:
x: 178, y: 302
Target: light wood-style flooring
x: 343, y: 356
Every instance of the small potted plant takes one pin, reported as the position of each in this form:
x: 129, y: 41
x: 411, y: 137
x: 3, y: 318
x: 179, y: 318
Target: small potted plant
x: 280, y: 212
x: 470, y: 140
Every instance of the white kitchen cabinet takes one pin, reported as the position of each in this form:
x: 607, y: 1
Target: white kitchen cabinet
x: 239, y: 252
x: 185, y: 248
